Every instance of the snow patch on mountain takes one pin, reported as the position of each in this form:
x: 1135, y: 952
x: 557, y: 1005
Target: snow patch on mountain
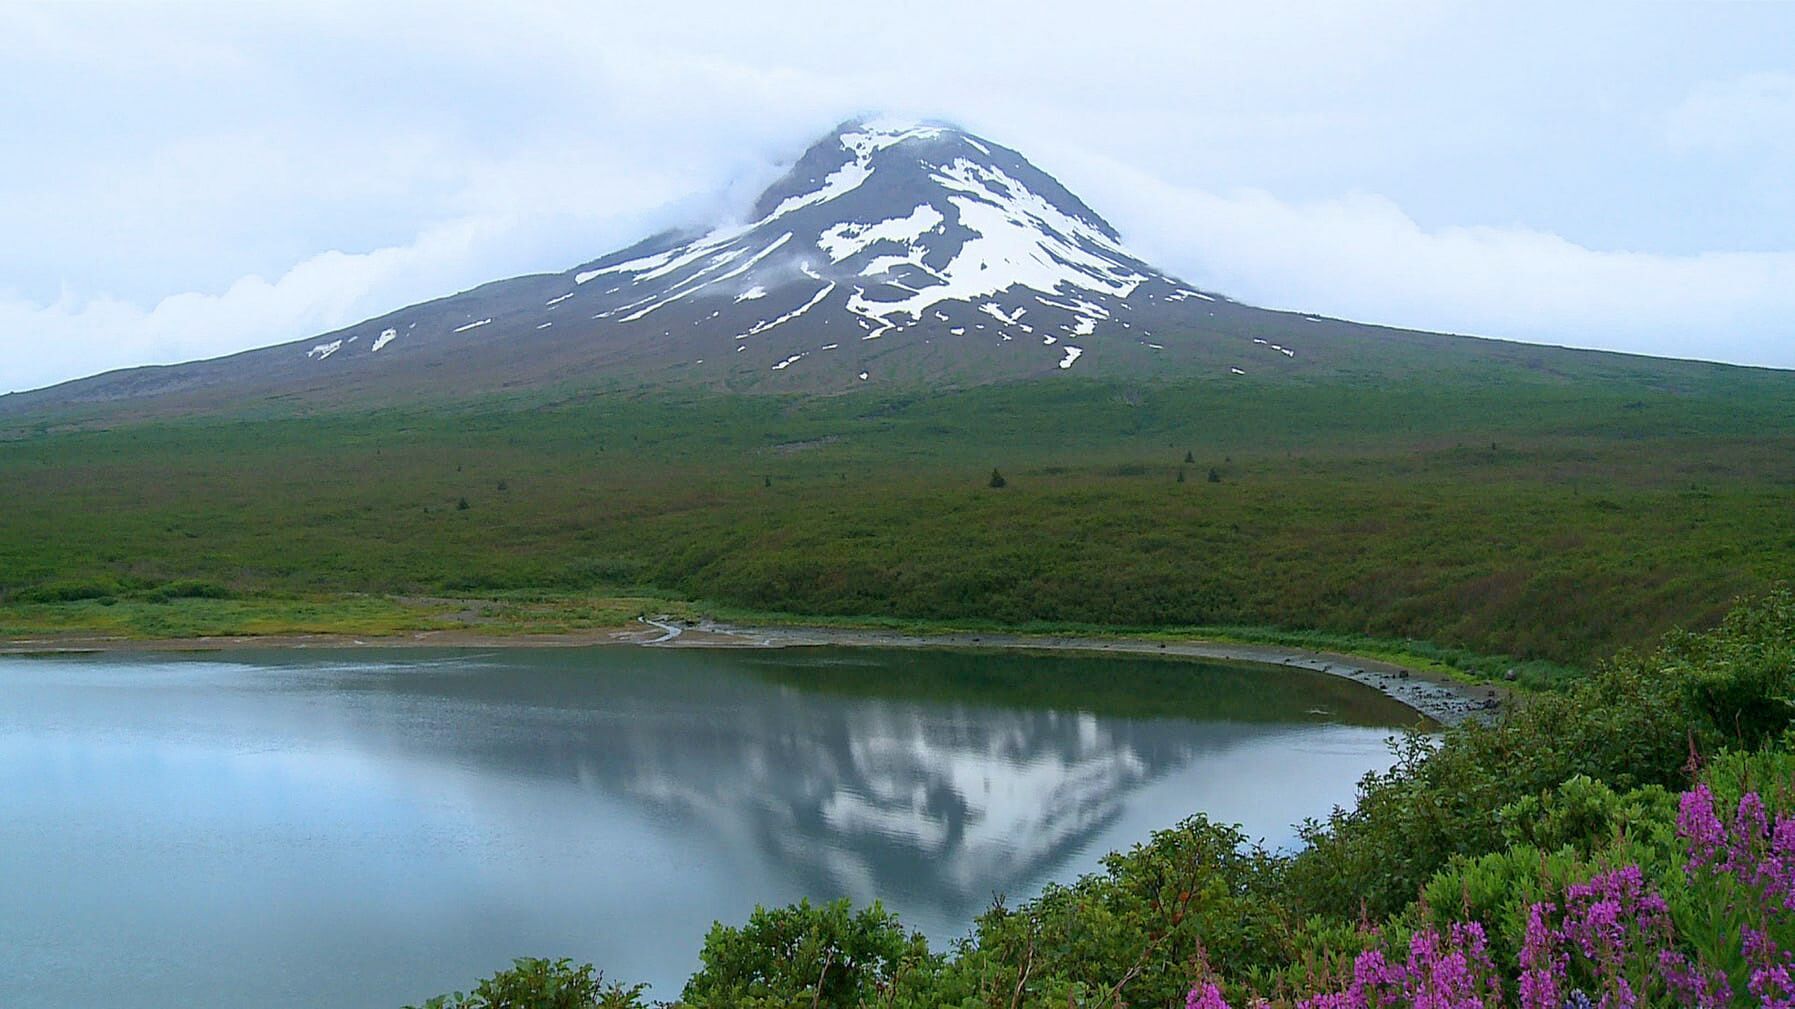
x: 721, y: 259
x: 761, y: 327
x: 863, y: 143
x: 1020, y: 240
x: 846, y: 239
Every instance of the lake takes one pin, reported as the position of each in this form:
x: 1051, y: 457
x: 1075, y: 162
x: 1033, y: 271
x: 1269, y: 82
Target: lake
x: 365, y: 828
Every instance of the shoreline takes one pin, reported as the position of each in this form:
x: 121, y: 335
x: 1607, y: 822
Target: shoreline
x: 1432, y: 695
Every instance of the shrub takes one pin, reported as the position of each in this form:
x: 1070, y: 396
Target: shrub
x: 187, y: 589
x: 1630, y: 724
x: 1738, y: 677
x: 68, y: 592
x: 543, y: 984
x: 1136, y: 933
x: 806, y: 955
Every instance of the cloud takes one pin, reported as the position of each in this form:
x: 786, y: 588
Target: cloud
x: 1755, y: 112
x: 73, y: 337
x: 1359, y: 256
x: 1362, y: 257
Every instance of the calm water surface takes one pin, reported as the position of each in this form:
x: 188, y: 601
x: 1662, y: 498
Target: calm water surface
x: 367, y: 828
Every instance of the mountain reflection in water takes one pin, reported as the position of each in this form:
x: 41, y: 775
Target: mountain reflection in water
x: 428, y: 815
x: 863, y: 795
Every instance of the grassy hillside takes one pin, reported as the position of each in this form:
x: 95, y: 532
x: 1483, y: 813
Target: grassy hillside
x: 1554, y: 512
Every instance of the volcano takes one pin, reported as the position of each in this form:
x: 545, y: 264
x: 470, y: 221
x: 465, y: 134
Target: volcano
x: 890, y: 252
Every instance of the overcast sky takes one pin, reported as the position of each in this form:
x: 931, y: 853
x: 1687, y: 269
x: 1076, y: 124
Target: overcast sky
x: 182, y: 181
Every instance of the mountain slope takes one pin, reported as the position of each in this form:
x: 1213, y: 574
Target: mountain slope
x: 890, y: 252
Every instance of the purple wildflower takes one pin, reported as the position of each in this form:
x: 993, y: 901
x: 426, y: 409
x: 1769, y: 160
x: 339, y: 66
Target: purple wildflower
x: 1332, y: 1000
x: 1691, y: 985
x: 1373, y: 977
x: 1753, y: 849
x: 1609, y: 919
x: 1542, y: 965
x: 1698, y: 825
x: 1451, y: 971
x: 1205, y: 996
x: 1772, y: 971
x: 1778, y: 876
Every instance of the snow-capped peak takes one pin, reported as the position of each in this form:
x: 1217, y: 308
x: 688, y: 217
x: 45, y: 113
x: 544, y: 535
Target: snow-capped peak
x: 885, y: 222
x: 914, y: 233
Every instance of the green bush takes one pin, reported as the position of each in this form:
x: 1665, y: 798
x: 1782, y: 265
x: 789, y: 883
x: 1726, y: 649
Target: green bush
x: 1135, y: 933
x: 1738, y: 677
x: 187, y: 589
x: 543, y: 984
x: 1581, y: 815
x: 806, y: 956
x: 69, y: 592
x: 1632, y: 723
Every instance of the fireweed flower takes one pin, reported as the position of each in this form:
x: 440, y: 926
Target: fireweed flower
x: 1542, y: 965
x: 1615, y: 928
x: 1611, y: 920
x: 1375, y: 981
x: 1692, y: 986
x: 1468, y: 978
x: 1761, y: 854
x: 1451, y: 971
x: 1772, y: 971
x: 1205, y: 996
x: 1749, y: 823
x: 1700, y: 827
x: 1779, y: 870
x: 1332, y: 1000
x: 1435, y: 975
x: 1753, y: 849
